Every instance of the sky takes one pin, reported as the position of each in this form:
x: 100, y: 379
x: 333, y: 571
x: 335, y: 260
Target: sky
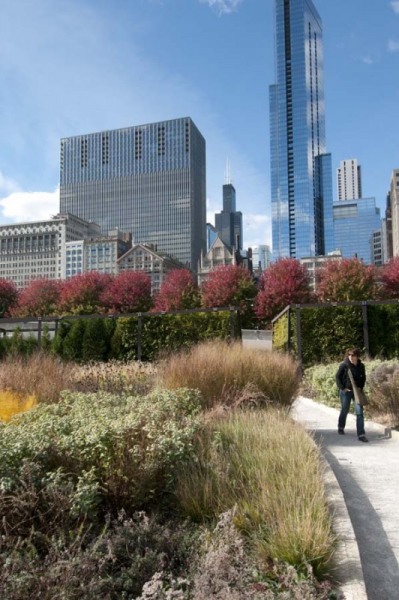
x: 71, y: 67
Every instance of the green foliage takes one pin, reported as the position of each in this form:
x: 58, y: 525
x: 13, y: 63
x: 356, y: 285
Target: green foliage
x: 58, y: 341
x: 383, y: 320
x: 326, y: 332
x: 72, y: 346
x: 320, y: 381
x: 46, y: 340
x: 18, y: 344
x: 95, y: 342
x: 102, y: 450
x: 166, y: 333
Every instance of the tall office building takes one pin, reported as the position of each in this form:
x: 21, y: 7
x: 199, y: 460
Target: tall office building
x: 147, y: 180
x: 349, y: 180
x: 301, y: 172
x: 229, y: 222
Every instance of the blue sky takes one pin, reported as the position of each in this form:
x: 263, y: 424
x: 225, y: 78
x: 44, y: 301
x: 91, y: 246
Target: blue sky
x: 69, y: 67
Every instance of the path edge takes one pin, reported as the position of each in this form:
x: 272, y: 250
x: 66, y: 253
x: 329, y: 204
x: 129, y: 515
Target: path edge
x: 347, y: 568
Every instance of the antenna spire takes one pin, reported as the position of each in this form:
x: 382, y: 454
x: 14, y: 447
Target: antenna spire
x: 228, y: 171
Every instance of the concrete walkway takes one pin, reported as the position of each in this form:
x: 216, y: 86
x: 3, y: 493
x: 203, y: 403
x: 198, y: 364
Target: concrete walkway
x: 368, y: 476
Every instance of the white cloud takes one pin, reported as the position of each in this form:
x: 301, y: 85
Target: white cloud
x: 257, y: 229
x: 223, y: 7
x: 368, y: 60
x: 29, y: 206
x: 7, y: 185
x: 393, y: 46
x: 395, y: 6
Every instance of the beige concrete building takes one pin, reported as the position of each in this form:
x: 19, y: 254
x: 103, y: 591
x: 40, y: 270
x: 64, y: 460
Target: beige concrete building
x: 219, y: 254
x: 36, y: 249
x: 314, y: 263
x: 144, y: 257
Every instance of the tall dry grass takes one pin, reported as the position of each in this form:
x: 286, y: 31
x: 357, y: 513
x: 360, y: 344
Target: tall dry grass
x: 45, y: 376
x: 227, y: 373
x: 41, y: 375
x: 269, y: 469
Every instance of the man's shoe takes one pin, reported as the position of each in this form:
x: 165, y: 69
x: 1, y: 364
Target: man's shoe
x: 362, y: 438
x: 341, y: 431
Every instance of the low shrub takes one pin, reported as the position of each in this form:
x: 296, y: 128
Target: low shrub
x: 384, y: 392
x: 111, y: 564
x: 320, y: 383
x: 225, y: 372
x: 93, y: 452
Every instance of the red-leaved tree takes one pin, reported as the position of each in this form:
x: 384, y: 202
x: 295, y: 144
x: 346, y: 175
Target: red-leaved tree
x: 8, y: 297
x: 39, y: 299
x: 178, y: 291
x: 81, y: 295
x: 389, y: 276
x: 346, y: 280
x: 230, y: 285
x: 284, y: 282
x: 128, y: 292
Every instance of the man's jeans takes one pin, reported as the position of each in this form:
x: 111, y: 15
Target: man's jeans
x: 346, y: 398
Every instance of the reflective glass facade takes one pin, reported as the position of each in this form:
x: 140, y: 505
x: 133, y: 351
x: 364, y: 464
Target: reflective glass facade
x: 355, y: 224
x: 301, y: 176
x: 147, y: 180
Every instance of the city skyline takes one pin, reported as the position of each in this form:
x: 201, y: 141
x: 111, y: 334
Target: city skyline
x: 70, y: 68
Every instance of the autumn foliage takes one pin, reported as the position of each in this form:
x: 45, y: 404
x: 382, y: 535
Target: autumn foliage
x: 39, y: 299
x: 81, y: 295
x: 285, y: 282
x: 128, y: 292
x: 178, y: 291
x: 230, y: 285
x: 390, y: 279
x: 8, y: 297
x: 346, y: 280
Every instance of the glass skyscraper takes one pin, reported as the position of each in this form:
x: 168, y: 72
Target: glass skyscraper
x: 148, y: 180
x: 355, y: 224
x: 301, y: 173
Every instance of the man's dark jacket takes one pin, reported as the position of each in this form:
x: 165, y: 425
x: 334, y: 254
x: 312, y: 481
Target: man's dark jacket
x: 358, y: 372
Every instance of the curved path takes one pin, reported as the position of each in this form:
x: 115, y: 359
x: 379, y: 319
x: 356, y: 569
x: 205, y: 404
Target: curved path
x: 368, y: 475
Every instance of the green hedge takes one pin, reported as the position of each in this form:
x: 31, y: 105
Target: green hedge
x: 328, y: 331
x: 85, y: 340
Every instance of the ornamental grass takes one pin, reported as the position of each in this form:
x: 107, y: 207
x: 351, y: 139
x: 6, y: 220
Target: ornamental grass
x: 230, y: 373
x: 267, y: 467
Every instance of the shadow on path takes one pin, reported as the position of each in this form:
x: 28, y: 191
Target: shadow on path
x: 379, y: 563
